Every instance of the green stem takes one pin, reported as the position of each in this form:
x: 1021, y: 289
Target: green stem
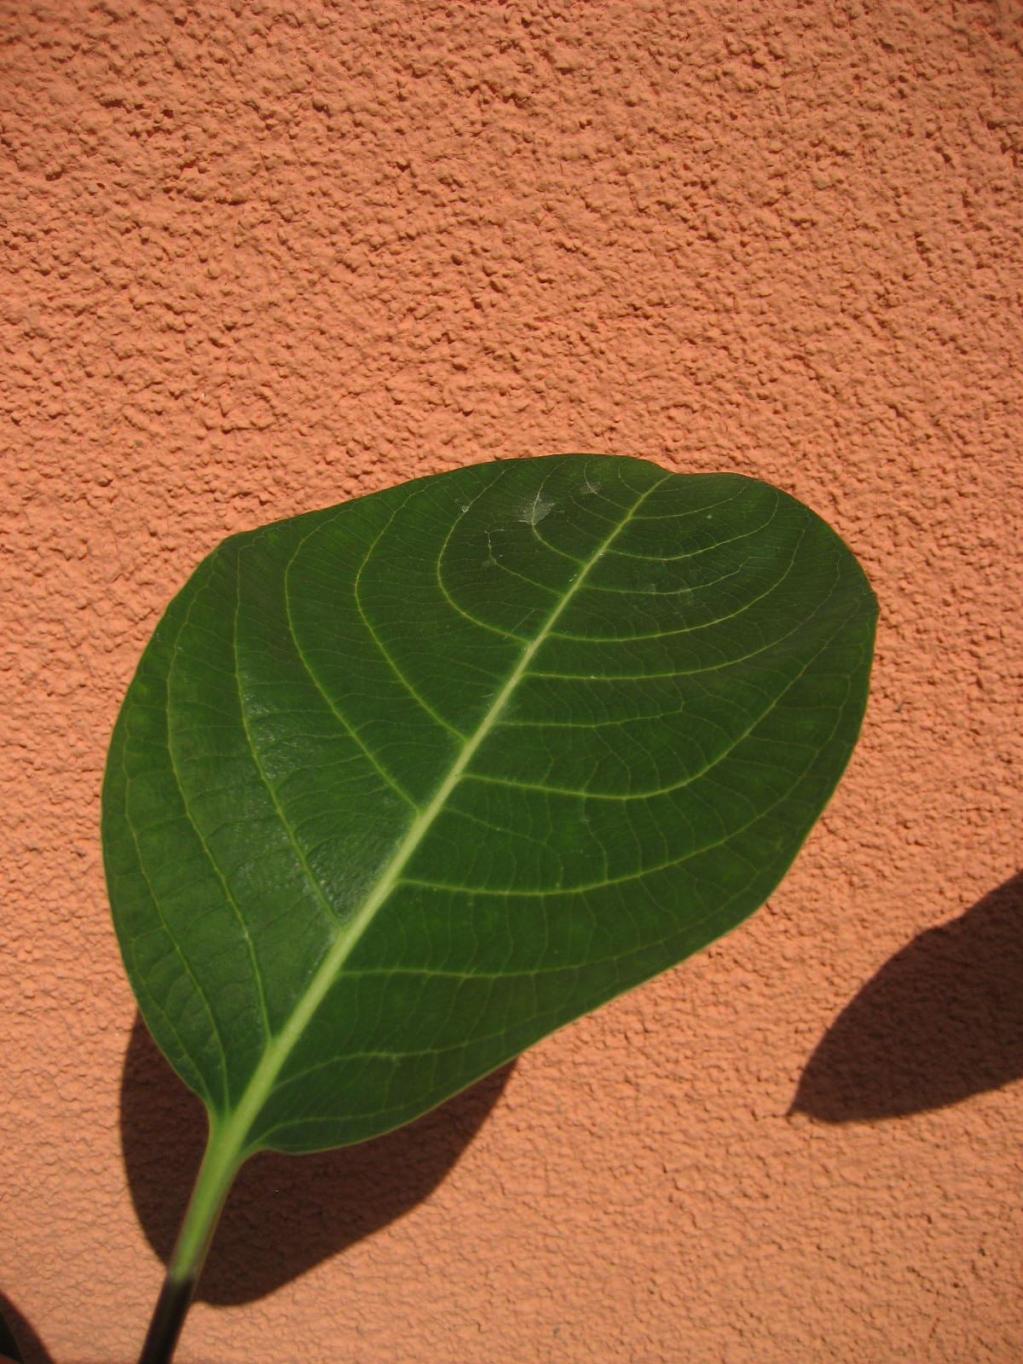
x: 221, y: 1162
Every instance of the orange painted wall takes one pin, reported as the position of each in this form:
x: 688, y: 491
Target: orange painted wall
x: 261, y: 258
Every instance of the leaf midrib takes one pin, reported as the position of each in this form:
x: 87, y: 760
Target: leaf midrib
x: 234, y: 1133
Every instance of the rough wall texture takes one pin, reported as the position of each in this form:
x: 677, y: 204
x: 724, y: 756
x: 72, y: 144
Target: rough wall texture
x: 260, y: 259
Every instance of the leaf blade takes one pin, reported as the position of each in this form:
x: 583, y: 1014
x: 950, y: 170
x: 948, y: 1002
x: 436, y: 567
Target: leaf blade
x: 438, y: 690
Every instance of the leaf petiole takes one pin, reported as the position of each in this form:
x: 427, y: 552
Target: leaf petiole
x: 221, y: 1162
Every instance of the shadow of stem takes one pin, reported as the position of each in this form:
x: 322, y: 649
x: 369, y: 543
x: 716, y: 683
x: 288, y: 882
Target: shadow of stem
x: 18, y: 1340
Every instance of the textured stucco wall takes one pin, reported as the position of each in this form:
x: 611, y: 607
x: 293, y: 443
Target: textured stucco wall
x: 260, y: 258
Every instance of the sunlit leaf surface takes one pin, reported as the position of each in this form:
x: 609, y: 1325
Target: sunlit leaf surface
x: 404, y: 785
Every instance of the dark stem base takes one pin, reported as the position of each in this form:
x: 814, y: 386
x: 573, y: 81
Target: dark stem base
x: 168, y: 1318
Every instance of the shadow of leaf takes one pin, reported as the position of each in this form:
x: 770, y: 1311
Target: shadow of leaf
x: 940, y: 1022
x: 17, y: 1338
x: 285, y: 1213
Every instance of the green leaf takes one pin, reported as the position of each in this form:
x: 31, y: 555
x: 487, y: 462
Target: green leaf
x: 404, y: 785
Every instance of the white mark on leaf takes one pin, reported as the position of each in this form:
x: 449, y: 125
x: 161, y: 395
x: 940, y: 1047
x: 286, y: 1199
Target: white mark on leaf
x: 535, y: 512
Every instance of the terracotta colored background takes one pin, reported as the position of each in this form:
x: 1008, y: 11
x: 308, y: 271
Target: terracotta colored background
x: 261, y: 258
